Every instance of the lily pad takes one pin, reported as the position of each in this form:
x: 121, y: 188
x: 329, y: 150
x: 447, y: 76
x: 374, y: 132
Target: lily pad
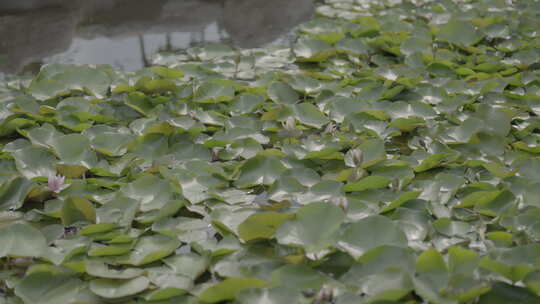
x: 13, y: 192
x: 314, y: 229
x: 46, y: 287
x: 150, y: 249
x: 213, y: 93
x: 74, y: 150
x: 35, y: 162
x: 20, y: 239
x: 359, y: 237
x: 101, y: 270
x: 259, y: 170
x: 57, y: 79
x: 151, y: 192
x: 113, y: 289
x: 227, y: 289
x: 382, y: 152
x: 261, y: 225
x: 77, y: 209
x: 313, y: 50
x: 459, y: 32
x: 282, y: 93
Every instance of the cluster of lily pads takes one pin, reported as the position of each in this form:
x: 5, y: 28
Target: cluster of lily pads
x: 391, y: 155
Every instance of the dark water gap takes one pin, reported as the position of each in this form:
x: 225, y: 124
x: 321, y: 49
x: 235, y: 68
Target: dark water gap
x: 126, y: 33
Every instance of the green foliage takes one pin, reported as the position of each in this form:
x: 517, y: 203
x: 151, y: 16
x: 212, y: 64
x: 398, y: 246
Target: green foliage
x: 391, y: 155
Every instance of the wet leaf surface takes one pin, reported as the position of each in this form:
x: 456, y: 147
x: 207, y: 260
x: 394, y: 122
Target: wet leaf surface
x: 389, y: 155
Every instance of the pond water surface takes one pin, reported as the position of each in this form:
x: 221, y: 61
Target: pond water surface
x: 126, y: 33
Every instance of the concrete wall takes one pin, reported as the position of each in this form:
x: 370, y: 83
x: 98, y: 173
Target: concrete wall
x: 18, y: 5
x: 251, y: 23
x: 29, y: 37
x: 34, y: 29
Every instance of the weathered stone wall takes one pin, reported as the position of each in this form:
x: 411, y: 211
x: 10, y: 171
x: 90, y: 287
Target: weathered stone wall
x: 34, y: 29
x: 19, y: 5
x: 29, y: 37
x: 251, y: 23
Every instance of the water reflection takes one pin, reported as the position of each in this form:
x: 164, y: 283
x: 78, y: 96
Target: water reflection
x: 125, y: 33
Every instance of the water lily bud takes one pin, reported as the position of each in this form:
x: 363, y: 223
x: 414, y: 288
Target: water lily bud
x: 358, y: 157
x: 331, y: 128
x: 354, y: 158
x: 290, y: 124
x: 55, y: 183
x: 341, y: 202
x: 325, y: 294
x: 395, y: 185
x: 215, y: 153
x: 356, y: 174
x: 289, y: 128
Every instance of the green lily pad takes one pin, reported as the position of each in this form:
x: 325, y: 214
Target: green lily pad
x: 309, y: 115
x: 101, y: 270
x: 389, y: 285
x: 150, y: 249
x: 44, y: 136
x: 166, y: 72
x: 261, y: 225
x: 170, y: 284
x: 13, y: 192
x: 370, y: 182
x: 229, y: 288
x: 213, y: 51
x: 282, y: 93
x: 359, y: 237
x: 57, y: 79
x: 21, y: 239
x: 269, y: 296
x: 459, y: 32
x: 108, y: 140
x: 505, y: 293
x: 77, y: 113
x: 452, y: 228
x: 189, y: 265
x: 313, y: 50
x: 415, y: 44
x: 298, y: 277
x: 120, y: 210
x: 46, y: 287
x: 314, y: 229
x: 373, y: 152
x: 113, y: 289
x: 385, y: 152
x: 214, y: 93
x: 259, y: 170
x: 432, y: 275
x: 74, y: 150
x: 155, y: 86
x: 35, y: 162
x: 77, y: 209
x: 110, y: 250
x: 65, y: 249
x: 150, y: 191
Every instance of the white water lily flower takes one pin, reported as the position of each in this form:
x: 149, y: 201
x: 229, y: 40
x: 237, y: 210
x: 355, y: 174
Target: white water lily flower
x: 55, y: 183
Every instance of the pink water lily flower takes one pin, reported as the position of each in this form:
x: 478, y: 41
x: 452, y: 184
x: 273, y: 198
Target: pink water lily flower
x: 55, y: 183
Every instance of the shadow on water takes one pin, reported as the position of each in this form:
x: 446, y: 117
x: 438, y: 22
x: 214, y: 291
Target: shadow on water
x: 125, y: 33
